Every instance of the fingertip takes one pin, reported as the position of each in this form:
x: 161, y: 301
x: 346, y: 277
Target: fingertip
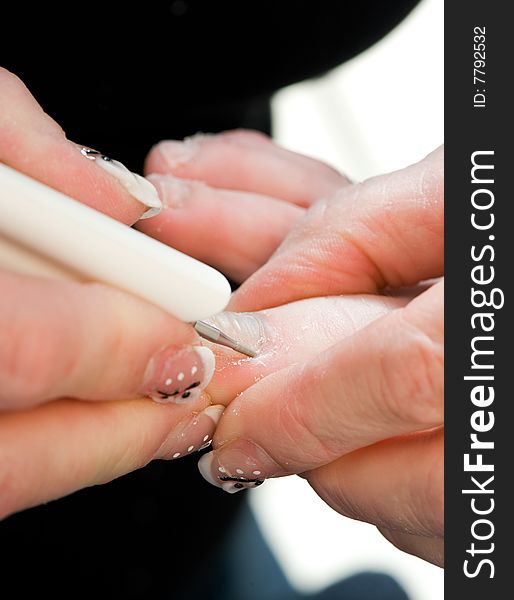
x: 170, y: 156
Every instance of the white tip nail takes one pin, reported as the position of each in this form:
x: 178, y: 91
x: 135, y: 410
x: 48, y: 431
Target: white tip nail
x: 214, y: 412
x: 204, y: 466
x: 208, y: 361
x: 138, y: 187
x: 230, y: 488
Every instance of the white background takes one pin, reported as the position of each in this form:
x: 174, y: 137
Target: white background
x: 379, y: 112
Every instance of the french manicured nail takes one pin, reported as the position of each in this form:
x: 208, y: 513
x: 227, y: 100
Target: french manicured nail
x: 237, y: 466
x: 194, y: 434
x: 178, y: 375
x: 138, y: 187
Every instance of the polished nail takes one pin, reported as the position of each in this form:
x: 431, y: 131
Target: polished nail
x: 178, y: 375
x: 138, y: 187
x: 194, y: 434
x: 237, y: 466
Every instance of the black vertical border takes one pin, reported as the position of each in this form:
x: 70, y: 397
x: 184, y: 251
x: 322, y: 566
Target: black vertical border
x: 468, y: 129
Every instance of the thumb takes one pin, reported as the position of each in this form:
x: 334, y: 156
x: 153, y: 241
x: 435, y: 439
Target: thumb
x: 384, y: 381
x: 387, y: 231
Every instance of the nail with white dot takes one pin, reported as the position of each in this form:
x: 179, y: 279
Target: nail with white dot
x: 196, y: 433
x: 217, y: 476
x: 178, y: 377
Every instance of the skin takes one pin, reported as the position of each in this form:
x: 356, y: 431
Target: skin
x: 367, y: 431
x: 72, y: 355
x: 62, y: 340
x: 362, y: 417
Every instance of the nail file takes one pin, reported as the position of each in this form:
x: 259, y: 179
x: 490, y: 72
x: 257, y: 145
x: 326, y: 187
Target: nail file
x: 99, y: 248
x: 209, y: 332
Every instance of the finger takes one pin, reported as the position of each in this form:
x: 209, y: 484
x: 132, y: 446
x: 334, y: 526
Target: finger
x: 397, y: 484
x: 93, y: 342
x: 57, y: 448
x: 428, y: 548
x: 382, y: 382
x: 249, y: 161
x: 33, y: 143
x: 235, y: 232
x: 287, y: 335
x: 387, y: 231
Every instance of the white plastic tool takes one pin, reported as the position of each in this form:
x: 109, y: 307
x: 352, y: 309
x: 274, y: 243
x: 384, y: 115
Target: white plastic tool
x: 36, y: 217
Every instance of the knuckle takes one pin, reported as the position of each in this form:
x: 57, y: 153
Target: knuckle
x: 412, y: 378
x: 36, y: 348
x: 32, y: 365
x: 312, y: 443
x: 433, y: 496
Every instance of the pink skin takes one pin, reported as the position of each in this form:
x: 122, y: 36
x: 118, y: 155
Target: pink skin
x: 84, y: 341
x: 233, y: 229
x: 288, y: 334
x: 59, y: 447
x: 33, y: 143
x: 385, y: 228
x: 366, y: 387
x: 387, y: 231
x: 246, y: 160
x: 61, y: 340
x: 353, y: 419
x: 95, y: 442
x: 217, y: 239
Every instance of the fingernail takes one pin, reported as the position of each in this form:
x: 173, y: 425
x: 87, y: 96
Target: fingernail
x: 193, y: 435
x: 178, y: 375
x: 176, y: 154
x: 247, y: 328
x: 173, y: 191
x: 138, y: 187
x: 237, y: 466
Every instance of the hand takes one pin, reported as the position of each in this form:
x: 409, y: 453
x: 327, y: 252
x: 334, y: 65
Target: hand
x: 230, y: 199
x: 291, y: 226
x: 62, y: 339
x: 368, y: 432
x: 362, y: 420
x: 33, y: 143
